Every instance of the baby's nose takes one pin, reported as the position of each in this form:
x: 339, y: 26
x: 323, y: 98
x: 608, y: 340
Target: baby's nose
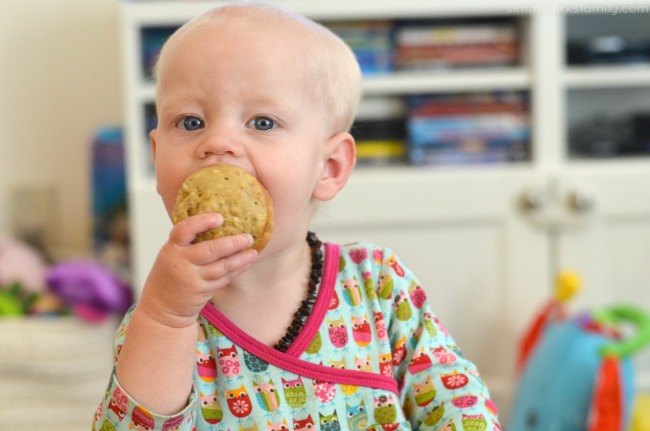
x: 218, y: 143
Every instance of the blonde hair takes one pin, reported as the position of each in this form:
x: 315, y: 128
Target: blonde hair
x: 332, y: 65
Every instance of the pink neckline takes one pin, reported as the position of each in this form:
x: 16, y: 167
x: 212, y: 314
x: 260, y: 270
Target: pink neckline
x: 328, y: 281
x: 289, y: 360
x: 330, y: 269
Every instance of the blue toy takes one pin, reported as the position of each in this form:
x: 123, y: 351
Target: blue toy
x: 577, y: 373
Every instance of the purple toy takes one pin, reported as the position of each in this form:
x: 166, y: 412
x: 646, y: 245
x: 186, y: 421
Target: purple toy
x: 93, y: 291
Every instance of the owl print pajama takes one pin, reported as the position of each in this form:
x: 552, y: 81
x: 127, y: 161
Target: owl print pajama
x: 372, y: 356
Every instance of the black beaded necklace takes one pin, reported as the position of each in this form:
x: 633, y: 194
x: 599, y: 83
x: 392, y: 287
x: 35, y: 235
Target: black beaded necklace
x: 300, y: 317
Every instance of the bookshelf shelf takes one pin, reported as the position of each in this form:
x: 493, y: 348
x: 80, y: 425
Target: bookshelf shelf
x: 516, y: 78
x: 637, y: 75
x: 147, y: 92
x: 164, y: 12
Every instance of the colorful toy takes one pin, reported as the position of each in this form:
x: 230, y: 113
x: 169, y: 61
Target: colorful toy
x: 576, y: 372
x: 10, y: 301
x: 641, y: 415
x: 92, y: 291
x: 29, y: 287
x: 23, y: 264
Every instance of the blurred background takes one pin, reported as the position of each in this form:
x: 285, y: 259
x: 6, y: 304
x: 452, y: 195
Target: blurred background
x: 60, y: 80
x: 512, y: 139
x: 60, y: 85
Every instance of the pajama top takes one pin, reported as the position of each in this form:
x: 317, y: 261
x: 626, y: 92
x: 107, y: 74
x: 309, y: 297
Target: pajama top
x: 372, y: 356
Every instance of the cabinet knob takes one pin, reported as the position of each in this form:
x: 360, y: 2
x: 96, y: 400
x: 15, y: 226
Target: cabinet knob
x: 580, y: 201
x: 533, y: 201
x: 547, y: 211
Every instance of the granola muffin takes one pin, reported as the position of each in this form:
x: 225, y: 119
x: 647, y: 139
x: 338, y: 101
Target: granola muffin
x: 232, y: 192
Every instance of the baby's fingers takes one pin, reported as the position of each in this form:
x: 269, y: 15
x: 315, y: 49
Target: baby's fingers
x: 185, y: 231
x: 215, y: 249
x: 226, y: 269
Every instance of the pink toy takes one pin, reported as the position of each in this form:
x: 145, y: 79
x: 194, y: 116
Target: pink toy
x: 20, y: 263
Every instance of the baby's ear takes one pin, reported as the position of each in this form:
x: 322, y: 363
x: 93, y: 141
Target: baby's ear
x: 340, y: 158
x: 152, y: 138
x: 153, y: 135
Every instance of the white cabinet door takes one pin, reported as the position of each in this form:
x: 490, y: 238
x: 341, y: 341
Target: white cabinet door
x: 485, y: 269
x: 612, y: 249
x: 151, y: 228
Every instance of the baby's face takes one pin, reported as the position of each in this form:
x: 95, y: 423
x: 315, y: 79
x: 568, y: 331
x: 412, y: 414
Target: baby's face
x: 241, y: 98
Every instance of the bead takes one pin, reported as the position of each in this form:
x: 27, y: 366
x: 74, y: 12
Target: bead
x: 301, y: 316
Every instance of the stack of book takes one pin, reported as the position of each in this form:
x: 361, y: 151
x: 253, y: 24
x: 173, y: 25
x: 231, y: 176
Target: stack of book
x: 380, y: 141
x: 371, y: 42
x: 153, y: 39
x: 470, y: 128
x: 432, y: 45
x: 380, y: 131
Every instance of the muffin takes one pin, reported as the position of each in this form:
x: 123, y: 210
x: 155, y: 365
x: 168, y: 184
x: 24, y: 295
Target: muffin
x: 232, y: 192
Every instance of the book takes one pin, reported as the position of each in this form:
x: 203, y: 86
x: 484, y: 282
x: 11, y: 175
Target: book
x: 476, y: 153
x: 374, y: 152
x: 371, y: 42
x: 468, y: 128
x: 451, y: 45
x: 153, y: 39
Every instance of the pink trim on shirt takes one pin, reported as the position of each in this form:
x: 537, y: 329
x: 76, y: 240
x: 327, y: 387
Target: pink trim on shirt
x: 327, y: 284
x: 290, y: 360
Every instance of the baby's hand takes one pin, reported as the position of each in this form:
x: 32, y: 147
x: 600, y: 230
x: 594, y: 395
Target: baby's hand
x: 185, y: 275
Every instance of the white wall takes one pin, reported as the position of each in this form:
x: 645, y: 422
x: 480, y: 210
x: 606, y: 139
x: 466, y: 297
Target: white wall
x: 59, y: 81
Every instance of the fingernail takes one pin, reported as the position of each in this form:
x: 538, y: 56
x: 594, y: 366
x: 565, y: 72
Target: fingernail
x: 249, y: 239
x: 217, y: 219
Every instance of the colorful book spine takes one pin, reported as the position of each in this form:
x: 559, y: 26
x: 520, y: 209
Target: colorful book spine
x: 474, y: 128
x: 433, y: 45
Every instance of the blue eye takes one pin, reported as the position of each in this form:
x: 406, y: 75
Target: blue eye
x: 190, y: 123
x: 262, y: 123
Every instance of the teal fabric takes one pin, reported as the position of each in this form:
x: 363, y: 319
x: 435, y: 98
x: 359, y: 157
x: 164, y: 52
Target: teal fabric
x: 377, y: 322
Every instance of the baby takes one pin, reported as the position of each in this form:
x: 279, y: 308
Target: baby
x: 304, y: 335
